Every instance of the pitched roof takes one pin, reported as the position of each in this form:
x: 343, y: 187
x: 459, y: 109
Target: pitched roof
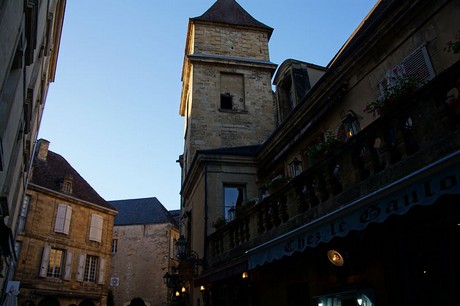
x: 230, y: 12
x: 50, y: 174
x: 141, y: 211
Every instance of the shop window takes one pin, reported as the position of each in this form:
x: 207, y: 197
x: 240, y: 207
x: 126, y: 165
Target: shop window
x: 345, y: 299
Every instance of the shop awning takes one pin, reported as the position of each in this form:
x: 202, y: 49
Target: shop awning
x: 422, y: 187
x: 235, y: 267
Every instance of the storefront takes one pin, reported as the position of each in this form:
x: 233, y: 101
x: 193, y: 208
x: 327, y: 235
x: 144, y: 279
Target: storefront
x: 397, y: 246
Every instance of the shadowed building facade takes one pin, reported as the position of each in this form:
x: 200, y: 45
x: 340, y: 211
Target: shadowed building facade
x: 30, y: 35
x: 352, y: 197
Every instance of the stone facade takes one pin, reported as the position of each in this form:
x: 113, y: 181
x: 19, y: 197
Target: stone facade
x: 141, y: 260
x: 342, y: 204
x: 30, y: 33
x: 65, y: 237
x: 230, y: 61
x: 144, y: 238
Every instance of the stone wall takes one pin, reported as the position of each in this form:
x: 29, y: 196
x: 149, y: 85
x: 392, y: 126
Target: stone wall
x: 39, y: 231
x: 140, y: 261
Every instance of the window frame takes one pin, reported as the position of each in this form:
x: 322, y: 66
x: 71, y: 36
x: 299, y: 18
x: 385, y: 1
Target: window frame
x: 55, y: 263
x: 90, y: 269
x: 241, y: 187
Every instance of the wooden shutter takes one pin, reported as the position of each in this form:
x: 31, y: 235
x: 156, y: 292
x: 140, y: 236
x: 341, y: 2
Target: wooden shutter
x: 81, y: 267
x: 45, y: 260
x: 68, y: 215
x: 101, y: 276
x: 68, y: 266
x: 95, y: 232
x: 63, y: 216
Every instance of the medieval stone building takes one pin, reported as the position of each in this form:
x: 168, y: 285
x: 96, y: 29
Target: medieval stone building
x: 65, y: 237
x: 143, y: 250
x: 342, y: 187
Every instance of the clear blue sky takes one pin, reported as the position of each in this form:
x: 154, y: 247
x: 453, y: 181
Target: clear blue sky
x: 113, y: 110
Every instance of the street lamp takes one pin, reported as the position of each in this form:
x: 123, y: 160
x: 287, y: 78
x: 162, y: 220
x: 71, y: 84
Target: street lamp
x: 184, y: 256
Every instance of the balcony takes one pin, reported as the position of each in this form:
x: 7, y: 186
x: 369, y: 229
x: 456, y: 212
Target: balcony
x: 419, y: 130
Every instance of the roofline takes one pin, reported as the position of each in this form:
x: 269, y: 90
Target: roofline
x: 74, y: 199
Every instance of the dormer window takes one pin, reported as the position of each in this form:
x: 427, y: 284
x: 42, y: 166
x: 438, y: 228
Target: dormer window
x: 67, y: 184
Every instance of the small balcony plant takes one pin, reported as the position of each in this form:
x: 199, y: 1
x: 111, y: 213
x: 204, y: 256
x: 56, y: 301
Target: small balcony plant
x: 219, y: 222
x: 323, y: 145
x: 453, y: 46
x: 402, y: 86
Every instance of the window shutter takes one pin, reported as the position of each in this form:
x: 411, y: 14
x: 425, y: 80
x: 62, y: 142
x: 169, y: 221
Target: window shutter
x: 68, y: 266
x: 60, y: 219
x: 81, y: 267
x: 101, y: 278
x: 68, y: 215
x: 62, y: 224
x: 95, y: 232
x: 45, y: 260
x: 419, y: 64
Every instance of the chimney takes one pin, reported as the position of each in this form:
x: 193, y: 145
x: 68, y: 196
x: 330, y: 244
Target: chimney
x: 43, y: 145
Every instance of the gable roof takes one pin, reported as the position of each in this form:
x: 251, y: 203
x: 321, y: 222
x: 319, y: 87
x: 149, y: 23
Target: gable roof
x: 141, y: 211
x: 50, y: 174
x: 230, y: 12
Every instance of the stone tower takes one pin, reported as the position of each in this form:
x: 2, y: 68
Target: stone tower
x: 227, y: 99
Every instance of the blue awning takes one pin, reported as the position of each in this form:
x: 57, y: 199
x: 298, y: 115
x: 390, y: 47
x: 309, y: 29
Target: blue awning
x: 422, y: 187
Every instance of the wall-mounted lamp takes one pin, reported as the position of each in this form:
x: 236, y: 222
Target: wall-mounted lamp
x: 245, y: 275
x: 183, y: 290
x: 335, y: 258
x: 202, y: 288
x: 351, y: 124
x: 360, y: 301
x: 184, y: 255
x: 177, y: 293
x: 296, y: 167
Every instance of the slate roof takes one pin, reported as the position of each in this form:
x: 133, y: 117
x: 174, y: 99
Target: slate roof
x: 230, y: 12
x: 50, y: 174
x: 141, y: 211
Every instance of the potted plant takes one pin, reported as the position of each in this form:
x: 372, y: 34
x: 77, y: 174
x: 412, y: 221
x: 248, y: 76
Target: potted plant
x: 219, y: 222
x: 275, y: 183
x: 239, y: 209
x: 453, y: 46
x: 323, y: 145
x: 401, y: 87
